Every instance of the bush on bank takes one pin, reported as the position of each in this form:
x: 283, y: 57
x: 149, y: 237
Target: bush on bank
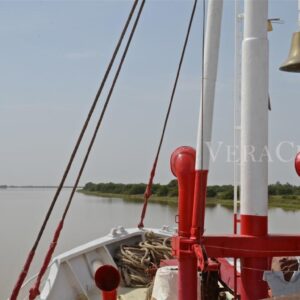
x: 171, y: 189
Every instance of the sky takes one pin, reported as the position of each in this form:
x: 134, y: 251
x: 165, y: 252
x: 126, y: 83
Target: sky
x: 54, y: 54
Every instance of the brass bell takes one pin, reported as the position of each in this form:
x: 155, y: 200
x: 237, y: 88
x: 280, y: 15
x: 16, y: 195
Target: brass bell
x: 270, y: 26
x: 292, y: 64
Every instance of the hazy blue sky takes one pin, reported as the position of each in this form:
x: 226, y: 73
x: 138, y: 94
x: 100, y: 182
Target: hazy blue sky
x: 53, y: 55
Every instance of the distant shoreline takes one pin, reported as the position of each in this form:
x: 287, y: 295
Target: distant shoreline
x: 133, y: 198
x: 35, y: 187
x: 286, y: 202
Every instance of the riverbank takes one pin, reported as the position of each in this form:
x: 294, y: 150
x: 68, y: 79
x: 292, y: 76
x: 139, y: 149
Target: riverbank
x: 156, y: 199
x: 286, y: 202
x: 135, y: 198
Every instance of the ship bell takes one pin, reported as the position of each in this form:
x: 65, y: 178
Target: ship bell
x: 292, y: 64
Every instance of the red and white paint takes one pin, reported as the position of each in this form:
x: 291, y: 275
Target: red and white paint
x: 254, y: 140
x: 211, y: 57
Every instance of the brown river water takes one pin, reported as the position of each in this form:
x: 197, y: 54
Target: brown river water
x: 22, y: 212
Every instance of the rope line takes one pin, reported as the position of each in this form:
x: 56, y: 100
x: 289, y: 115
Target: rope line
x: 265, y: 270
x: 250, y: 250
x: 31, y: 254
x: 34, y: 291
x: 148, y: 191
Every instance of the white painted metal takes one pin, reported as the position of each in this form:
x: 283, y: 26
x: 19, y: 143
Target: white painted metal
x: 165, y: 285
x: 254, y: 130
x: 237, y: 104
x: 96, y: 265
x: 211, y: 56
x: 71, y: 274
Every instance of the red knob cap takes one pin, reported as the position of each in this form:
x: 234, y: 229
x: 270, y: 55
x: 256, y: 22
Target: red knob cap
x: 297, y: 163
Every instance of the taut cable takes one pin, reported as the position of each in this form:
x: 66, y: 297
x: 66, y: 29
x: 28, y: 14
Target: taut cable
x: 31, y: 254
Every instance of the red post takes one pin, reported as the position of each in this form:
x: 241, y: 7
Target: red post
x: 199, y: 204
x: 111, y: 295
x: 107, y: 279
x: 252, y: 268
x: 183, y: 167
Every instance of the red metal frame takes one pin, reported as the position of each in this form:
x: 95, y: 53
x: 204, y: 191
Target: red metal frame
x: 254, y: 246
x: 230, y: 275
x: 200, y: 185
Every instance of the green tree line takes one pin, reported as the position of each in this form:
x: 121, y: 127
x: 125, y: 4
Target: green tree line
x: 171, y: 189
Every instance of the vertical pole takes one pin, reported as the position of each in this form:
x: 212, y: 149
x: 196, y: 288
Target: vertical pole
x: 237, y: 128
x: 183, y: 167
x: 211, y: 56
x: 254, y: 140
x: 237, y: 110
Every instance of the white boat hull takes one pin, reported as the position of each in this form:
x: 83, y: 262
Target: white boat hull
x: 70, y: 275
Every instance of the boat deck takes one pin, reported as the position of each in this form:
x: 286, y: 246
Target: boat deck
x: 71, y: 276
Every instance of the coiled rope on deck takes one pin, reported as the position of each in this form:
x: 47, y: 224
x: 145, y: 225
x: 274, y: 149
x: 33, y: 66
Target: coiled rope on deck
x: 148, y: 191
x: 138, y: 263
x: 31, y: 254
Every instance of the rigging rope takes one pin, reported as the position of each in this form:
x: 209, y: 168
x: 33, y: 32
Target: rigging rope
x: 148, y: 191
x: 31, y: 254
x: 34, y: 291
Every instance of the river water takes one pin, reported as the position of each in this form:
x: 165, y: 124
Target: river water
x: 22, y: 212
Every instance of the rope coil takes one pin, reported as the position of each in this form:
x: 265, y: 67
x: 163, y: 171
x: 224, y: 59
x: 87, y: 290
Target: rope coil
x: 138, y: 263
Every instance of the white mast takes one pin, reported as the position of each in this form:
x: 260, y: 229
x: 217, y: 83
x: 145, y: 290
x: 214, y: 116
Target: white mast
x: 210, y: 66
x: 254, y: 122
x: 211, y: 56
x: 254, y: 140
